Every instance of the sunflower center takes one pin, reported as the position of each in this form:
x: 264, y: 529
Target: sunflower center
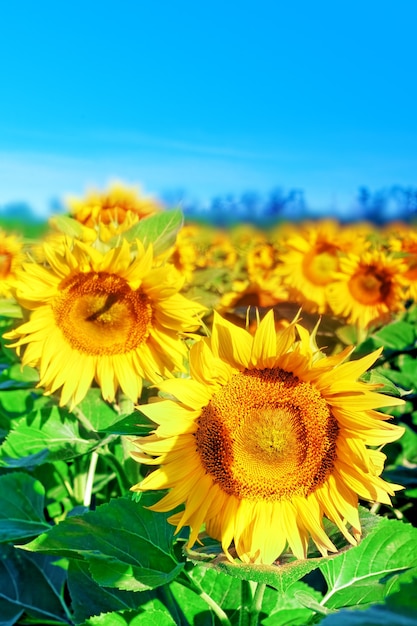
x: 368, y: 286
x: 99, y: 314
x: 267, y: 435
x: 319, y: 264
x: 5, y: 264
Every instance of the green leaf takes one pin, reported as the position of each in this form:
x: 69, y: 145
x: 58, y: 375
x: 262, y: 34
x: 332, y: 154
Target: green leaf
x: 30, y: 583
x: 375, y: 377
x: 160, y: 230
x: 396, y: 336
x: 222, y: 589
x: 18, y: 402
x: 98, y: 412
x: 88, y: 598
x: 134, y: 424
x: 296, y: 606
x: 21, y: 507
x: 48, y: 434
x: 370, y: 571
x: 125, y: 544
x: 400, y: 609
x: 149, y: 616
x: 407, y: 366
x: 69, y: 226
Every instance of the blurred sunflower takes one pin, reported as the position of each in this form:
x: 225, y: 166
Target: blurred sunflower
x: 405, y: 242
x: 267, y: 436
x: 309, y: 260
x: 11, y: 258
x: 113, y: 211
x: 112, y: 317
x: 368, y: 289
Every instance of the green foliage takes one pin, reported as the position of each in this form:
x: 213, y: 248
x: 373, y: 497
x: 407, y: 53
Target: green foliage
x: 160, y: 230
x: 141, y: 559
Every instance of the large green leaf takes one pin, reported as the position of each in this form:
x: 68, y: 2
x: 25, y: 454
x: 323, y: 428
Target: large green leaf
x: 48, y: 434
x: 296, y: 606
x: 150, y: 616
x: 160, y: 230
x: 367, y: 573
x: 88, y: 598
x: 396, y: 336
x: 400, y: 609
x: 30, y: 583
x: 222, y: 589
x: 125, y: 544
x: 21, y: 507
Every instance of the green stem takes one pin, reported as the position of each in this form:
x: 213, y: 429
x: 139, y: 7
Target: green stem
x: 256, y: 606
x: 90, y: 479
x: 246, y: 602
x: 217, y: 610
x: 252, y: 596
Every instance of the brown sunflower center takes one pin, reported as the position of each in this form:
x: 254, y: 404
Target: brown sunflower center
x: 370, y: 286
x: 320, y: 263
x: 267, y: 435
x: 5, y: 264
x: 99, y: 313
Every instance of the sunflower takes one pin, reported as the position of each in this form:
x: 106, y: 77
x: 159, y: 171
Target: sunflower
x: 267, y: 437
x: 368, y: 289
x: 111, y: 316
x: 11, y: 258
x: 309, y: 260
x: 405, y: 243
x: 113, y: 211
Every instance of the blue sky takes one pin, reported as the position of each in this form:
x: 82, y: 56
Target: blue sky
x: 214, y: 97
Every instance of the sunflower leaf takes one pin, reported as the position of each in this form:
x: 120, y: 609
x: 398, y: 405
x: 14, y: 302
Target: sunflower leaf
x: 88, y: 598
x: 400, y: 609
x: 30, y: 583
x: 49, y: 434
x: 396, y: 336
x: 100, y: 414
x: 222, y: 589
x: 367, y: 573
x: 125, y: 544
x: 150, y: 616
x: 160, y: 230
x: 134, y: 424
x: 21, y: 511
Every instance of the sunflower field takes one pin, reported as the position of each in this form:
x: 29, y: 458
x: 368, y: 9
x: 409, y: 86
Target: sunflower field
x: 205, y: 426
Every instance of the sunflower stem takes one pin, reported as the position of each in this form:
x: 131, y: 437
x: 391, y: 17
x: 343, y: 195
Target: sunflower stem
x: 246, y: 602
x: 192, y: 584
x: 90, y: 479
x: 252, y: 596
x: 256, y: 607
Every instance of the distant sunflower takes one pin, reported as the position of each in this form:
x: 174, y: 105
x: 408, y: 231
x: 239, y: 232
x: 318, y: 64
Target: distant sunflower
x: 309, y: 259
x: 406, y: 243
x: 113, y: 211
x: 368, y: 289
x: 112, y: 317
x: 266, y: 438
x: 11, y: 258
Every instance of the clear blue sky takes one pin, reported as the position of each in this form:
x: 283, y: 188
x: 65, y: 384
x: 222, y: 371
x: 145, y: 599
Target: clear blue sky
x: 209, y: 97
